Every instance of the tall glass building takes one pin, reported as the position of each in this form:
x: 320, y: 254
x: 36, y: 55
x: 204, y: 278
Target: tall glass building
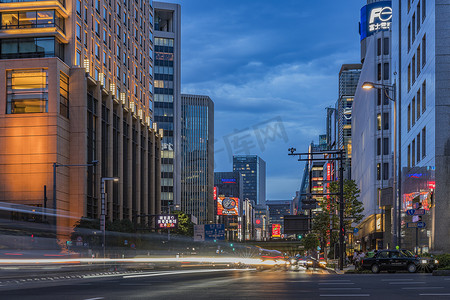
x: 253, y: 170
x: 348, y: 81
x: 197, y: 157
x: 167, y: 99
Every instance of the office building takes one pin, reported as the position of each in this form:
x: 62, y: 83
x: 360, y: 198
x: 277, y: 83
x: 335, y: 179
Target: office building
x: 197, y: 157
x: 372, y: 130
x: 230, y: 185
x: 421, y: 56
x: 253, y: 170
x: 167, y: 108
x: 348, y: 81
x: 77, y: 90
x: 277, y: 210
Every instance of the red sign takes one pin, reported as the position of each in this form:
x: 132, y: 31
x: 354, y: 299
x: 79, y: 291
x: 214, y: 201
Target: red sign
x: 276, y: 230
x: 431, y: 185
x: 258, y: 221
x: 215, y: 193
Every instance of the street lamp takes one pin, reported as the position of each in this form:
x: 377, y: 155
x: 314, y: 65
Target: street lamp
x: 397, y: 205
x: 103, y: 214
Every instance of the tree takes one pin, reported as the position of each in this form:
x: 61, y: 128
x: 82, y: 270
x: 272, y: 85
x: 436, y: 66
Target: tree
x: 185, y: 225
x: 310, y: 242
x: 326, y: 223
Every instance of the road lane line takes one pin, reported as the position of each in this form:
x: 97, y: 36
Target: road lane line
x: 397, y: 279
x: 338, y: 280
x: 97, y: 298
x: 344, y: 295
x: 422, y: 288
x: 434, y: 294
x: 408, y: 282
x: 338, y: 289
x: 333, y: 283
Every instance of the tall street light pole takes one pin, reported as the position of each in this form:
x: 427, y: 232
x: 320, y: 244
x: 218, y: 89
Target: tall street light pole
x: 103, y: 211
x: 397, y: 204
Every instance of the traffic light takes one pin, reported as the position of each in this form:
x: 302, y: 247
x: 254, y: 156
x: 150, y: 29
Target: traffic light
x: 233, y: 249
x: 231, y: 245
x: 299, y: 236
x: 215, y: 241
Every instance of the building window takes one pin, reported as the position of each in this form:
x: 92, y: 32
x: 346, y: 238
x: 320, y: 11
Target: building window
x: 418, y: 16
x: 378, y: 171
x: 385, y: 121
x: 413, y: 22
x: 79, y: 7
x: 64, y: 95
x: 379, y: 97
x: 97, y: 28
x: 378, y: 146
x: 379, y: 47
x: 30, y: 48
x: 378, y: 121
x: 386, y: 71
x: 27, y: 91
x: 424, y: 142
x: 424, y: 8
x: 97, y: 51
x: 413, y: 69
x: 409, y: 77
x: 413, y: 111
x: 418, y: 60
x: 386, y: 46
x: 78, y: 58
x: 424, y: 50
x: 379, y: 72
x: 78, y: 32
x: 418, y: 108
x: 409, y: 157
x: 409, y: 117
x: 385, y: 146
x: 418, y: 147
x: 413, y: 153
x: 32, y: 19
x: 409, y: 37
x: 385, y: 171
x: 424, y: 96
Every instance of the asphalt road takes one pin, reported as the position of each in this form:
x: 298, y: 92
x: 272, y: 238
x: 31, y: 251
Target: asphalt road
x: 233, y: 284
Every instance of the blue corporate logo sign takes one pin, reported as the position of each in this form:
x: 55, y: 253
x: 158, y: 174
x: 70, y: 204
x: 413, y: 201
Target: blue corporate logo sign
x: 375, y: 17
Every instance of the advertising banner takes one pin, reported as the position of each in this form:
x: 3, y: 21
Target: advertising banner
x: 166, y: 221
x: 375, y: 17
x: 276, y: 230
x: 227, y: 206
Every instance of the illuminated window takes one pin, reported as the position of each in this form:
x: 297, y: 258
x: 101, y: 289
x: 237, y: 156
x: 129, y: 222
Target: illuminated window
x: 379, y: 122
x: 27, y: 91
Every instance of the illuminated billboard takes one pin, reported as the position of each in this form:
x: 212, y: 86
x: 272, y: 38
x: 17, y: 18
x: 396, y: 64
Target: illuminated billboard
x: 227, y: 206
x: 166, y: 221
x: 276, y: 230
x: 215, y: 193
x: 375, y: 17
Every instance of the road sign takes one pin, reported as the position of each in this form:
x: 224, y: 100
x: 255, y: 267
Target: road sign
x: 199, y: 233
x: 411, y: 225
x: 410, y: 212
x: 355, y: 230
x: 416, y: 205
x: 421, y: 224
x: 215, y: 232
x: 415, y: 218
x: 419, y: 212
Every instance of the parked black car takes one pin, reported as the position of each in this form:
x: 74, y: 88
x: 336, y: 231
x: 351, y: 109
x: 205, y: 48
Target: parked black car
x: 395, y: 260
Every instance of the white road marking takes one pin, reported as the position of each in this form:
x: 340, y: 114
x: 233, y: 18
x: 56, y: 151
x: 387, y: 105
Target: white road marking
x: 338, y: 280
x: 338, y: 289
x: 333, y: 283
x: 422, y: 288
x: 345, y: 295
x: 434, y: 294
x: 408, y: 282
x: 97, y: 298
x: 135, y: 284
x: 397, y: 279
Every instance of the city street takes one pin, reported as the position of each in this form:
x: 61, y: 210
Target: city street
x: 234, y: 284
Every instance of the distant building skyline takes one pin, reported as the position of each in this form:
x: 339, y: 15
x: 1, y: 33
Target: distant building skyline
x: 253, y: 170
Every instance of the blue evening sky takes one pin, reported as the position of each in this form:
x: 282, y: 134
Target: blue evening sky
x: 271, y: 67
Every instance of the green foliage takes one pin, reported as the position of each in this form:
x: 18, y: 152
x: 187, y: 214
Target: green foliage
x: 185, y: 225
x: 444, y: 260
x: 310, y: 241
x: 329, y: 217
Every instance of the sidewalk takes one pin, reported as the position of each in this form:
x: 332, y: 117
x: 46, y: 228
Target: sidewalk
x: 345, y: 269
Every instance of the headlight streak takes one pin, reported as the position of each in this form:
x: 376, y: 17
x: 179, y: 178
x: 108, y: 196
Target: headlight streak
x: 201, y: 260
